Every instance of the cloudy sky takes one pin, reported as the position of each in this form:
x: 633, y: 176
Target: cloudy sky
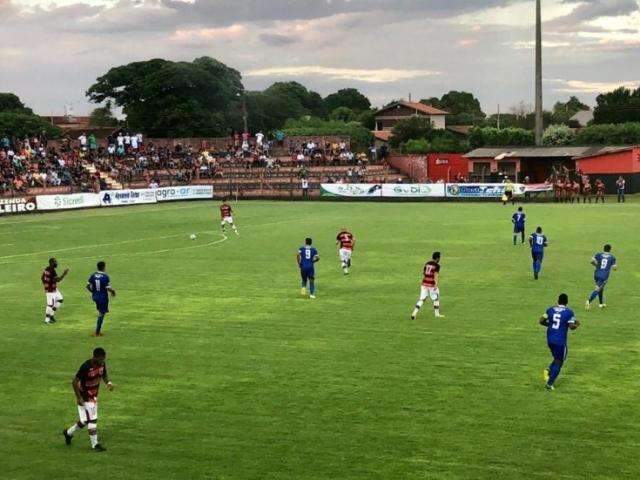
x: 52, y: 50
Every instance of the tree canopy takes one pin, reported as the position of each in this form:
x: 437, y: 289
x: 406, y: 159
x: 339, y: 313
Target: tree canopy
x: 18, y: 120
x: 620, y: 106
x: 347, y: 97
x: 464, y: 107
x: 165, y: 98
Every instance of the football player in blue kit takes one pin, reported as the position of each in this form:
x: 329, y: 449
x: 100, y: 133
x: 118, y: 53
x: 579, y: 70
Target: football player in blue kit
x: 307, y: 258
x: 99, y: 285
x: 604, y: 263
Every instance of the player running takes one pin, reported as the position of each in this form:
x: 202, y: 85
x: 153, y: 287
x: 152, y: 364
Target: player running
x: 99, y: 285
x: 518, y: 220
x: 227, y: 218
x: 86, y: 384
x: 558, y: 320
x: 430, y: 286
x: 538, y: 243
x: 307, y: 258
x: 50, y: 280
x: 345, y: 241
x: 604, y: 263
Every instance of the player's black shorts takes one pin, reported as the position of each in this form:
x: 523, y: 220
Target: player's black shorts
x: 537, y: 256
x: 559, y: 352
x: 307, y: 274
x: 102, y: 306
x: 518, y: 228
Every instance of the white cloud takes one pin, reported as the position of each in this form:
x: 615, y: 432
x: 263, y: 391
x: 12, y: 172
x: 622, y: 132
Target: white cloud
x: 583, y: 86
x: 382, y: 75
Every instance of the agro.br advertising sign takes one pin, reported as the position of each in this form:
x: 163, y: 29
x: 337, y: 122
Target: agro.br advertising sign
x: 63, y: 202
x: 187, y: 192
x: 415, y: 190
x: 480, y: 190
x: 17, y: 205
x: 353, y: 190
x: 127, y: 197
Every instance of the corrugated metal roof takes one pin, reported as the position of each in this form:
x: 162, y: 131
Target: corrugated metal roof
x: 540, y: 152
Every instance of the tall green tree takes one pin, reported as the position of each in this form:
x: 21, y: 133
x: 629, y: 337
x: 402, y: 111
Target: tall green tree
x: 164, y: 98
x: 620, y: 106
x: 18, y: 121
x: 563, y: 111
x: 10, y: 102
x: 103, y: 116
x: 412, y: 128
x: 347, y: 97
x: 464, y: 107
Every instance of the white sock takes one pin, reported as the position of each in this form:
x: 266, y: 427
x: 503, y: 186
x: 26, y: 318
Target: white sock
x: 72, y: 429
x: 94, y: 439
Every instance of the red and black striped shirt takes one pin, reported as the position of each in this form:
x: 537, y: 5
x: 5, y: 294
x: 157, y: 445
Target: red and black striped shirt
x: 50, y: 279
x: 90, y: 376
x: 346, y: 240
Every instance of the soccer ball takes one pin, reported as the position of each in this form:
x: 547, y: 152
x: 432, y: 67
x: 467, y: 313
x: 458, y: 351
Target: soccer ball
x: 193, y: 236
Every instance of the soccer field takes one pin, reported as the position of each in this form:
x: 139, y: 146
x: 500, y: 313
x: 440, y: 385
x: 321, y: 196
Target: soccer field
x: 224, y: 371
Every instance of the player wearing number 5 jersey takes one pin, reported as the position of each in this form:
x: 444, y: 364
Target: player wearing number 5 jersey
x: 99, y: 285
x: 558, y: 320
x: 430, y: 286
x: 604, y: 263
x: 307, y: 257
x: 538, y: 243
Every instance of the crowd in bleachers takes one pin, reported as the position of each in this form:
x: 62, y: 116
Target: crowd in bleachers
x: 32, y: 163
x: 84, y: 163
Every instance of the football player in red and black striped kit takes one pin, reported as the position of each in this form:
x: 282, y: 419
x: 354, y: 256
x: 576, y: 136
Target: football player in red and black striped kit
x: 86, y: 385
x: 50, y: 280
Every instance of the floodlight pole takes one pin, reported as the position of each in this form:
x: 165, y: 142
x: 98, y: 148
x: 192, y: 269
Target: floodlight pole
x: 539, y: 125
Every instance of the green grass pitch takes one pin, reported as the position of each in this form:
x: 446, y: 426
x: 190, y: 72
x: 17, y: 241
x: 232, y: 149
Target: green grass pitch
x: 224, y: 371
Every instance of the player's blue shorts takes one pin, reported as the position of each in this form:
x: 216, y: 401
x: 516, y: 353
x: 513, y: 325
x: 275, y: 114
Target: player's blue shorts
x: 307, y: 273
x: 559, y: 352
x: 102, y: 305
x: 518, y: 228
x: 537, y: 256
x: 601, y: 281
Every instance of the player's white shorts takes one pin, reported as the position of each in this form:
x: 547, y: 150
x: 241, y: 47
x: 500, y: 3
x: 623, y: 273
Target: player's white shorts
x: 88, y: 413
x: 345, y: 254
x: 228, y: 220
x: 432, y: 292
x: 53, y: 297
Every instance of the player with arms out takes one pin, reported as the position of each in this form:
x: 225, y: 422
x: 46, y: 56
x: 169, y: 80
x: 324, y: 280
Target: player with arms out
x: 50, y: 280
x: 558, y: 320
x: 99, y: 285
x: 518, y: 219
x: 430, y: 286
x: 538, y: 243
x: 307, y: 257
x: 604, y: 263
x: 86, y: 384
x: 227, y: 219
x: 345, y: 241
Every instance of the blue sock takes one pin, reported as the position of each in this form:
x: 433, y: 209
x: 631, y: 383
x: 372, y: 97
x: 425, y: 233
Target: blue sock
x: 312, y: 288
x: 99, y: 324
x: 554, y: 371
x: 593, y: 296
x: 601, y: 296
x: 303, y: 284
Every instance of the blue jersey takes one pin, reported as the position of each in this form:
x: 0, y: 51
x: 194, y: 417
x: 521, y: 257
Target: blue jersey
x: 98, y: 283
x: 307, y: 254
x: 604, y: 263
x: 560, y: 318
x: 538, y: 242
x: 518, y: 220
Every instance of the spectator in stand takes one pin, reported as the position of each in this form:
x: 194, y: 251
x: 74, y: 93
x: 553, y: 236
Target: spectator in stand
x: 305, y: 188
x: 93, y: 144
x: 83, y: 141
x: 620, y: 186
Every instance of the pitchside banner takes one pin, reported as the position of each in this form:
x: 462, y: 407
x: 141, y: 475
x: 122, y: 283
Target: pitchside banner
x: 17, y: 205
x: 353, y: 190
x: 62, y: 202
x: 190, y: 192
x: 480, y: 190
x: 413, y: 190
x: 127, y: 197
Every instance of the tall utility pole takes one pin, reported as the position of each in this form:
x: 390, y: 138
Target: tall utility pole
x: 539, y: 126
